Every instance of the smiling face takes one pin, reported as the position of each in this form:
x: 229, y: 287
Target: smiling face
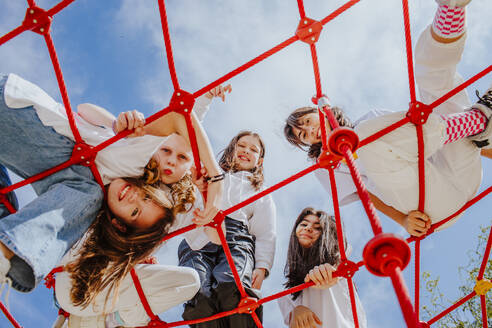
x: 309, y: 130
x: 248, y: 153
x: 308, y: 231
x: 129, y: 203
x: 175, y: 159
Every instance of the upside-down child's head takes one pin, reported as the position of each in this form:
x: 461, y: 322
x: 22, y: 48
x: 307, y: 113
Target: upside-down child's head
x: 303, y: 129
x: 116, y: 243
x: 245, y: 152
x: 171, y: 165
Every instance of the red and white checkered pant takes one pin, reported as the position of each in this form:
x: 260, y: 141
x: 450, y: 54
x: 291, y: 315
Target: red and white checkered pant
x: 449, y: 22
x: 461, y: 125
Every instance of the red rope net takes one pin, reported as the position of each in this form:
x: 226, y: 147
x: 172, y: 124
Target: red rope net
x: 384, y: 255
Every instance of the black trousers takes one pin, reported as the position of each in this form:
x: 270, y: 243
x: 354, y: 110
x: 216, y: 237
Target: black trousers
x: 218, y: 291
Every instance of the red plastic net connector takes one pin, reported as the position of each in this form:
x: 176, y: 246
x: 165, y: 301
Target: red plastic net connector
x: 247, y: 305
x: 217, y: 221
x: 424, y: 324
x: 37, y: 20
x: 347, y: 269
x: 182, y: 102
x: 418, y: 113
x: 309, y: 30
x: 329, y: 160
x: 83, y: 154
x: 384, y: 249
x: 49, y: 280
x: 340, y: 138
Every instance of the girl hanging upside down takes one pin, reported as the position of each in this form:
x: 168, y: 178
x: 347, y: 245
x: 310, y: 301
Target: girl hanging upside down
x: 313, y: 255
x: 455, y: 135
x: 35, y: 136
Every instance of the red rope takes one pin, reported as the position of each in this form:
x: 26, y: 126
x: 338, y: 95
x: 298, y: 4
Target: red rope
x: 244, y: 67
x: 402, y: 294
x: 167, y: 42
x: 338, y: 220
x: 452, y: 308
x: 352, y: 302
x: 383, y: 132
x: 63, y: 89
x: 232, y: 266
x: 9, y: 316
x: 462, y: 86
x: 486, y: 255
x: 141, y: 294
x: 12, y: 34
x: 483, y: 304
x: 420, y: 142
x: 317, y: 78
x: 271, y: 189
x: 339, y: 11
x: 417, y: 278
x: 408, y: 44
x: 300, y: 5
x: 59, y: 7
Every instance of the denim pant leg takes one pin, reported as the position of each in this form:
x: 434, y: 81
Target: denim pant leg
x: 41, y: 232
x: 203, y: 304
x: 242, y: 247
x: 4, y: 182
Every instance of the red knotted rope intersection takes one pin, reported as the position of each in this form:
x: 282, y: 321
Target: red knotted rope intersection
x: 384, y: 255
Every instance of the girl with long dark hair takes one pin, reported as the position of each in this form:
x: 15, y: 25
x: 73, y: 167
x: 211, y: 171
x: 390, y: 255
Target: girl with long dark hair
x: 314, y: 254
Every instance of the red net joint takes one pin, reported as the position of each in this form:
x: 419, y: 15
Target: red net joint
x: 49, y: 280
x: 418, y: 113
x: 309, y: 30
x: 340, y: 138
x: 329, y: 160
x: 63, y: 313
x: 424, y: 325
x: 482, y: 286
x: 156, y: 322
x: 83, y: 154
x: 247, y: 305
x: 384, y: 250
x: 182, y: 102
x: 37, y: 20
x: 217, y: 220
x: 347, y: 269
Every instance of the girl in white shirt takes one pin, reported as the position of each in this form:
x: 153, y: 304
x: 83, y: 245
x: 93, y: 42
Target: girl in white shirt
x: 313, y: 254
x: 250, y: 233
x: 455, y: 135
x: 35, y: 136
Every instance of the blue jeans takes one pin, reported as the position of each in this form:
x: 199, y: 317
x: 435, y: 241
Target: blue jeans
x: 41, y: 232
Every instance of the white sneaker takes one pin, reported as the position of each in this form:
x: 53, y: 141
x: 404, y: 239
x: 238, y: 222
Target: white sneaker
x: 75, y: 321
x: 4, y: 280
x: 453, y: 3
x: 484, y: 104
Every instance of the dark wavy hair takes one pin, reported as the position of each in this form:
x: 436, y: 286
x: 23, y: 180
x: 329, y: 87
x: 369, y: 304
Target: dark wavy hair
x: 294, y: 121
x: 109, y: 253
x: 325, y: 250
x: 227, y: 162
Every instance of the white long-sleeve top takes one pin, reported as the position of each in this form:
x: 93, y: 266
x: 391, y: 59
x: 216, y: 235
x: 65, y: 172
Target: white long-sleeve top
x: 259, y: 217
x: 332, y: 306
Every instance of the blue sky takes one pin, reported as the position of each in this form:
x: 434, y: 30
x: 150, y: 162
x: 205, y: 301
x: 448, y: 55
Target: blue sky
x: 112, y: 54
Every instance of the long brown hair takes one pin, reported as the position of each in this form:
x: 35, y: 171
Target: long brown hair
x: 325, y: 250
x: 227, y: 162
x: 183, y: 191
x: 109, y: 253
x: 294, y: 121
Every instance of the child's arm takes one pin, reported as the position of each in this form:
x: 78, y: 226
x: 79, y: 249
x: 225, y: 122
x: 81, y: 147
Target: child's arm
x: 96, y: 115
x: 416, y: 223
x: 262, y: 225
